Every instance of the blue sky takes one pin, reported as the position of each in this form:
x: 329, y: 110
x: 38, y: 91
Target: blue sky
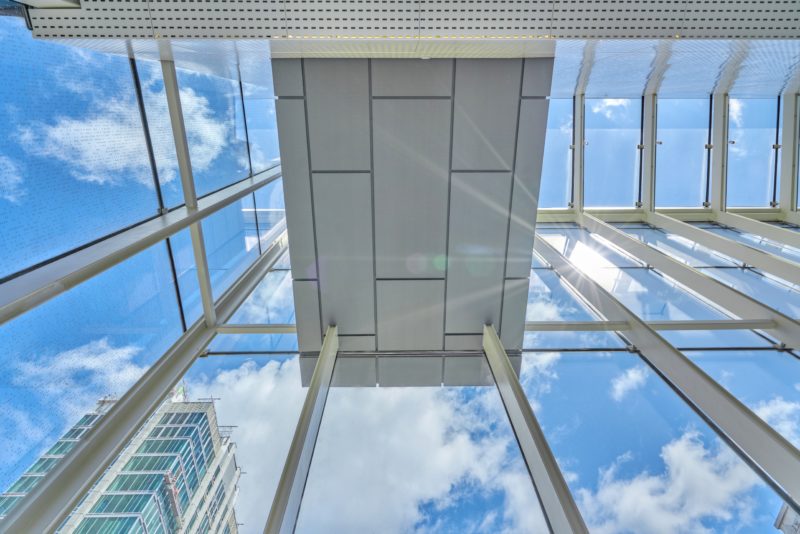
x: 74, y: 167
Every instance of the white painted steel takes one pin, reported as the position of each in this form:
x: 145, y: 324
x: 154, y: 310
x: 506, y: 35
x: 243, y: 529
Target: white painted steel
x: 772, y: 456
x: 288, y: 496
x: 775, y: 265
x: 44, y: 508
x: 557, y: 503
x: 786, y: 330
x: 754, y: 226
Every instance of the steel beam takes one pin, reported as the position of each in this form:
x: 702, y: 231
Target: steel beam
x: 558, y: 505
x: 256, y: 329
x: 603, y: 325
x: 756, y: 227
x: 187, y: 183
x: 578, y: 150
x: 789, y: 154
x: 775, y: 459
x: 286, y: 504
x: 786, y: 330
x: 719, y: 152
x: 769, y: 263
x: 33, y: 288
x: 49, y: 503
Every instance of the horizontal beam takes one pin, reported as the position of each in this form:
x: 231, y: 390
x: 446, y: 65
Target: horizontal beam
x: 600, y: 326
x: 44, y: 508
x: 256, y: 329
x: 785, y: 329
x: 31, y: 289
x: 771, y: 455
x: 558, y: 505
x: 759, y: 259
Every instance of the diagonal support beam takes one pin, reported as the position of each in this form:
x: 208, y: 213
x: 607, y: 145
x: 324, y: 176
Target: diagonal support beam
x: 187, y: 183
x: 557, y: 503
x: 44, y: 508
x: 786, y: 330
x: 775, y: 459
x: 286, y: 504
x: 760, y: 259
x: 753, y: 226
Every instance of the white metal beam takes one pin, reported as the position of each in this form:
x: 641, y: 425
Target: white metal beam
x: 599, y: 326
x: 786, y: 330
x: 753, y: 226
x: 648, y: 151
x: 578, y: 150
x: 40, y: 285
x: 557, y: 503
x: 256, y: 329
x: 288, y: 496
x: 772, y: 456
x: 719, y: 152
x: 46, y: 506
x: 775, y: 265
x: 789, y: 154
x: 187, y: 183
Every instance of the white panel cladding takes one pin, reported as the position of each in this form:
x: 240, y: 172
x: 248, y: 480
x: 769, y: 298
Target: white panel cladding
x: 337, y: 94
x: 297, y: 186
x: 410, y: 314
x: 525, y: 196
x: 537, y: 77
x: 421, y: 19
x: 411, y: 156
x: 398, y: 371
x: 287, y: 77
x: 306, y: 304
x: 485, y: 113
x: 515, y: 301
x: 476, y: 254
x: 411, y: 77
x: 343, y: 216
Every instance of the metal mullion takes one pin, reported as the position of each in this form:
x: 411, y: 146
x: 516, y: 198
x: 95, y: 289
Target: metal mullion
x: 707, y: 201
x: 578, y: 151
x: 558, y: 506
x: 50, y: 502
x: 743, y: 306
x: 258, y: 230
x: 244, y: 119
x: 189, y: 194
x: 289, y: 494
x: 649, y: 152
x: 776, y: 147
x: 775, y: 459
x: 175, y: 283
x: 146, y: 130
x: 719, y: 160
x: 789, y: 156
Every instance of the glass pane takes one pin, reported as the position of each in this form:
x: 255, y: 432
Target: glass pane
x: 270, y: 212
x: 186, y: 271
x: 765, y: 381
x: 751, y: 158
x: 415, y: 458
x: 283, y: 263
x: 556, y: 184
x: 767, y: 245
x: 777, y: 294
x: 681, y: 156
x: 231, y: 243
x: 271, y: 302
x: 551, y: 299
x: 212, y: 111
x: 262, y: 127
x: 260, y: 398
x: 93, y: 341
x: 572, y: 340
x: 73, y: 162
x: 680, y: 248
x: 714, y: 338
x: 254, y: 343
x: 611, y: 176
x: 636, y: 458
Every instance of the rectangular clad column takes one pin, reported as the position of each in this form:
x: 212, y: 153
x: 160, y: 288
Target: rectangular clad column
x: 775, y: 459
x: 289, y: 495
x: 557, y: 503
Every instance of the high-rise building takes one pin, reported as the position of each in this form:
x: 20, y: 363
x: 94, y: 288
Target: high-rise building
x: 178, y: 474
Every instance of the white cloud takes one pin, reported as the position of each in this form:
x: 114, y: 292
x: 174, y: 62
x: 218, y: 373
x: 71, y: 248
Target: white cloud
x: 537, y: 375
x: 381, y: 453
x: 735, y: 108
x: 11, y: 188
x: 107, y: 146
x: 783, y: 416
x: 631, y: 379
x: 698, y: 484
x: 609, y: 106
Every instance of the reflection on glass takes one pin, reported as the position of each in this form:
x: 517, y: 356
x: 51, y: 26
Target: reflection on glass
x: 270, y: 212
x: 262, y: 126
x: 773, y: 247
x: 776, y: 293
x: 186, y: 271
x: 765, y: 381
x: 271, y: 302
x: 260, y: 398
x: 94, y: 340
x: 680, y: 248
x: 751, y: 158
x: 715, y: 338
x: 572, y: 340
x: 550, y: 299
x: 557, y: 164
x: 681, y: 156
x: 636, y: 458
x: 414, y: 458
x: 611, y: 176
x: 212, y: 111
x: 73, y: 161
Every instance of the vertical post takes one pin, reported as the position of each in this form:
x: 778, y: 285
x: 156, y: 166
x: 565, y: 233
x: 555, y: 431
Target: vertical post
x: 578, y: 150
x: 719, y: 153
x: 189, y: 193
x: 286, y: 504
x: 789, y: 155
x: 648, y: 151
x: 557, y: 503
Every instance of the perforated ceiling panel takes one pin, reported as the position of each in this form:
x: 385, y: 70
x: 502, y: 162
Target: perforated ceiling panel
x: 421, y: 19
